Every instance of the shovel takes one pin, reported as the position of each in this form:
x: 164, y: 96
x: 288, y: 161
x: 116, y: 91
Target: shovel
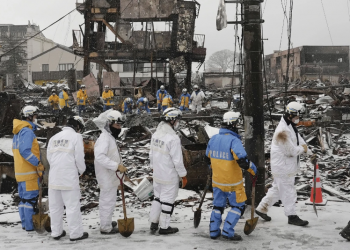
x: 126, y: 226
x: 41, y: 221
x: 198, y: 212
x: 251, y: 224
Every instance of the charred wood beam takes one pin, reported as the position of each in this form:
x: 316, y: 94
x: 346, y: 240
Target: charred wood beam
x: 110, y: 28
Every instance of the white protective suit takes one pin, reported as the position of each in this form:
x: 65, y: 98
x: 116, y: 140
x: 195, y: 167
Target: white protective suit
x: 65, y: 154
x: 197, y: 100
x: 167, y: 163
x: 107, y: 159
x: 284, y: 166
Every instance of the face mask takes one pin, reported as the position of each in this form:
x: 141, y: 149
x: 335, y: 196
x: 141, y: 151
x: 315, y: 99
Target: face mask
x: 296, y: 121
x: 177, y: 126
x: 115, y: 132
x: 35, y: 121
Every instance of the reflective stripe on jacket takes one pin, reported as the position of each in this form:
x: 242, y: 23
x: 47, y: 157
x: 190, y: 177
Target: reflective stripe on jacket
x: 26, y: 151
x: 223, y: 150
x: 167, y: 101
x: 54, y: 101
x: 185, y: 100
x: 160, y: 95
x: 108, y: 98
x: 63, y: 99
x: 81, y: 97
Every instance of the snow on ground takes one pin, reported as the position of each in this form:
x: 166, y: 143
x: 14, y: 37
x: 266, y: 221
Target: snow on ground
x: 322, y: 232
x: 6, y: 145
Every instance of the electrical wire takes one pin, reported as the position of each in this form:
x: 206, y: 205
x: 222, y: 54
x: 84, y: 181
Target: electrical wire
x: 324, y: 13
x: 347, y: 2
x: 39, y: 32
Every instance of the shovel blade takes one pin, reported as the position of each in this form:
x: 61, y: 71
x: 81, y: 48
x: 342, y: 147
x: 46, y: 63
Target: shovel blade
x: 126, y: 226
x: 40, y: 222
x: 197, y: 217
x: 250, y: 225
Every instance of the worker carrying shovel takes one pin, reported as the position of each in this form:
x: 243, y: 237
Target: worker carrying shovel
x: 107, y: 165
x: 167, y: 162
x: 227, y: 157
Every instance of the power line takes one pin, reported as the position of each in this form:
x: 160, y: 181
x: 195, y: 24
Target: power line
x: 347, y: 2
x: 37, y: 33
x: 324, y: 13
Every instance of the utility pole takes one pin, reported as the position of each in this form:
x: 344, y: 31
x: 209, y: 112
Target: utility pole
x: 86, y: 40
x: 253, y: 94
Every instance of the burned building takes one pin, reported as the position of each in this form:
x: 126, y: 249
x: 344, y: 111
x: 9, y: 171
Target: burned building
x: 176, y: 45
x: 326, y: 63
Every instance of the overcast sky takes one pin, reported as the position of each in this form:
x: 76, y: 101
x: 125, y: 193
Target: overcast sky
x: 309, y: 23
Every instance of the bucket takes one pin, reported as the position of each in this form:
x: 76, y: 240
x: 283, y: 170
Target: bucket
x: 144, y: 190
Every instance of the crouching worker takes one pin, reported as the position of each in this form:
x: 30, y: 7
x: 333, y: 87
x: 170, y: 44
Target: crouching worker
x: 28, y: 168
x: 107, y: 165
x: 168, y: 167
x: 228, y: 158
x: 65, y: 154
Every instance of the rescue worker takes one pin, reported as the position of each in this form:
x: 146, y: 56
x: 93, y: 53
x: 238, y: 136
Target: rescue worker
x: 167, y: 102
x: 142, y: 104
x: 65, y: 154
x: 81, y: 99
x: 345, y: 233
x: 107, y: 97
x: 63, y: 96
x: 228, y: 157
x: 197, y: 98
x: 286, y: 146
x: 160, y: 96
x: 127, y: 105
x: 54, y: 102
x: 185, y: 100
x: 168, y: 167
x: 107, y: 163
x: 28, y: 168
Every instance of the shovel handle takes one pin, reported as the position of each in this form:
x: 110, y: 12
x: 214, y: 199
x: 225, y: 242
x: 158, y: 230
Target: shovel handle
x: 122, y: 191
x: 204, y: 191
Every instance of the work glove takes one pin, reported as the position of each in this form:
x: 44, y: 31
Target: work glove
x: 252, y: 169
x: 305, y: 148
x: 121, y: 168
x: 40, y: 167
x: 184, y: 182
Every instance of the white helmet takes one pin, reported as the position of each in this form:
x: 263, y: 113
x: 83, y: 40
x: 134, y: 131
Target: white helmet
x: 82, y: 86
x: 171, y: 114
x: 30, y: 111
x: 184, y: 91
x: 195, y: 86
x: 162, y: 87
x: 294, y: 108
x: 76, y: 122
x: 116, y: 117
x: 230, y: 118
x: 65, y: 88
x: 145, y: 100
x: 128, y: 100
x: 106, y: 87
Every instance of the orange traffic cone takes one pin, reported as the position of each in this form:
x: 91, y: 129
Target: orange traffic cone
x: 319, y: 201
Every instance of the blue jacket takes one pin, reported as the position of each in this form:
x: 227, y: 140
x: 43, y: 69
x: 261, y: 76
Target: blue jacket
x: 142, y: 105
x: 127, y: 105
x: 160, y: 95
x: 185, y: 100
x: 224, y: 149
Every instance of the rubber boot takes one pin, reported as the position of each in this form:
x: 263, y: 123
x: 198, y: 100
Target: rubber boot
x: 236, y: 237
x: 345, y: 233
x: 85, y: 236
x: 169, y: 230
x: 262, y: 215
x: 154, y: 226
x: 295, y: 220
x: 60, y: 236
x: 113, y: 231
